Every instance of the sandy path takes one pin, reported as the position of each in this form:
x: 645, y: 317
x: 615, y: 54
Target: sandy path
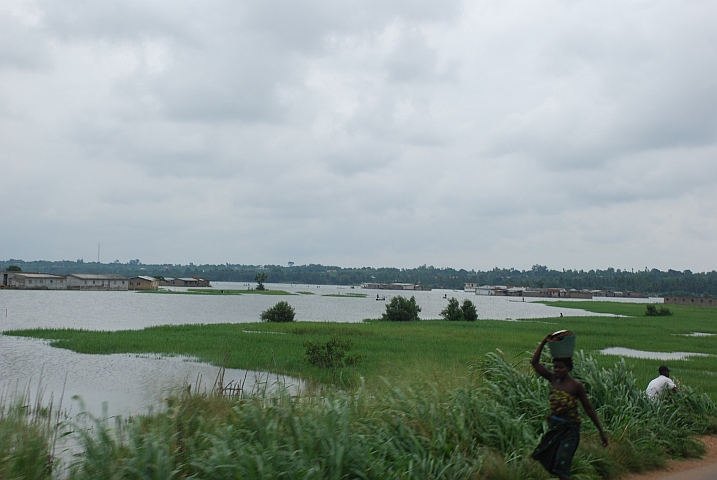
x: 679, y: 468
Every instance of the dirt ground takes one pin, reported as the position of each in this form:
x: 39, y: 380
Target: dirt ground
x: 676, y: 466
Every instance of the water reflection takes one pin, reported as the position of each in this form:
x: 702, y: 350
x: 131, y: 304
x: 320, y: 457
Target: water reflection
x: 628, y: 352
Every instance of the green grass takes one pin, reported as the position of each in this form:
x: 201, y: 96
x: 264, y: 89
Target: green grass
x: 305, y: 293
x: 345, y: 295
x: 434, y: 404
x: 404, y: 352
x: 484, y: 425
x: 211, y: 291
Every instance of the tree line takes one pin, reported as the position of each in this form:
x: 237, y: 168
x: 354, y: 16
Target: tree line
x: 649, y: 282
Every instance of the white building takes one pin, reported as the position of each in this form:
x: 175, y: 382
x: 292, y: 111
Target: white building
x: 33, y: 281
x: 82, y: 281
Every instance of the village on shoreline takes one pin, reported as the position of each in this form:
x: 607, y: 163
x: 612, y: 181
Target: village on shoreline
x: 88, y: 281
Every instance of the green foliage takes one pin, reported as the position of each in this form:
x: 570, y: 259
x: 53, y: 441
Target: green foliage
x: 401, y: 309
x: 260, y: 278
x: 331, y: 354
x: 282, y: 312
x: 482, y: 425
x: 13, y: 268
x: 453, y: 311
x: 27, y: 436
x: 413, y: 350
x: 653, y: 311
x: 470, y: 313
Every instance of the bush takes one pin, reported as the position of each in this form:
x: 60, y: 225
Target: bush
x: 652, y: 311
x: 281, y: 312
x: 460, y: 313
x: 470, y: 313
x: 452, y: 312
x: 332, y: 354
x: 401, y: 309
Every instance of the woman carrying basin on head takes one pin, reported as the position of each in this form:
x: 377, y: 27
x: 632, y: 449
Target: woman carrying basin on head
x: 558, y: 445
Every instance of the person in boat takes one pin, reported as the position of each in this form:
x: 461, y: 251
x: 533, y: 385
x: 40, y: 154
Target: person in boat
x: 557, y: 447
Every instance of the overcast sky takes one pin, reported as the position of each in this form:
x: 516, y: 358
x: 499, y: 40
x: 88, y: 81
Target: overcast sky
x: 572, y: 134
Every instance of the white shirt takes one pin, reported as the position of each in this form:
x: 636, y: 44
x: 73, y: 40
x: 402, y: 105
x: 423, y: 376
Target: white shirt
x: 655, y: 388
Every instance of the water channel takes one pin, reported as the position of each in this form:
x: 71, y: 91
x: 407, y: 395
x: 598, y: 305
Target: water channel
x: 132, y: 383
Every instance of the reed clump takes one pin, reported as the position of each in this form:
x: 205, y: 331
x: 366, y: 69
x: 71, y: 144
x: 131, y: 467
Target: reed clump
x: 483, y: 425
x: 28, y: 435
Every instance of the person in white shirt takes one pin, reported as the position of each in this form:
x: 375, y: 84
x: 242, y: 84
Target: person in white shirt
x: 657, y: 386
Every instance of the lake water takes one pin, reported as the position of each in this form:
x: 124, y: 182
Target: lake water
x: 629, y: 352
x: 131, y: 383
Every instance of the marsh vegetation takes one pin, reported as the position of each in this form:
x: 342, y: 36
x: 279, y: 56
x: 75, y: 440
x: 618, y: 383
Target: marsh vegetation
x: 482, y: 424
x: 429, y: 399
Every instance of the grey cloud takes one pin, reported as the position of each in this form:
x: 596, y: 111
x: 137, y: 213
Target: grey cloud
x: 21, y: 46
x: 381, y: 132
x: 412, y: 60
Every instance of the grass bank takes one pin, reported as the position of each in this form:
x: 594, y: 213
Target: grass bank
x: 406, y: 352
x: 483, y: 426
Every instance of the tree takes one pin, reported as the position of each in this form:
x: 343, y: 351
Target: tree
x: 401, y: 309
x: 282, y: 312
x: 13, y: 268
x: 260, y: 278
x: 470, y: 313
x: 452, y: 312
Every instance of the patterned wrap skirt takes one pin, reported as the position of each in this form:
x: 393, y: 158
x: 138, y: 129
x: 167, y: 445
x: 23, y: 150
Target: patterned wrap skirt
x: 557, y: 448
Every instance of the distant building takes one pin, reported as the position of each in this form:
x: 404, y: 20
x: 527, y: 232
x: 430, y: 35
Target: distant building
x: 33, y: 281
x: 586, y: 294
x: 395, y: 286
x: 142, y: 282
x: 696, y: 301
x: 186, y: 282
x: 82, y: 281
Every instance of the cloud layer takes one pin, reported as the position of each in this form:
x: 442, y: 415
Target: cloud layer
x: 466, y: 134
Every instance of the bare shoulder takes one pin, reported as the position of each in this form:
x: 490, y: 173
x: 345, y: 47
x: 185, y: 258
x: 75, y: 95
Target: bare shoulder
x: 577, y: 387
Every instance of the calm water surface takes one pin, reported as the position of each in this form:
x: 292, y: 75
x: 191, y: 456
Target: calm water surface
x: 131, y: 384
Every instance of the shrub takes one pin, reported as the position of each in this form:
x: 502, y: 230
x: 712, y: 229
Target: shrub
x: 470, y: 313
x: 652, y: 311
x: 453, y: 311
x: 332, y: 354
x: 281, y: 312
x: 401, y: 309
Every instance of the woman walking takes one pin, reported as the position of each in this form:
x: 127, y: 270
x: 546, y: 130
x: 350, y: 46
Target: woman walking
x: 558, y: 446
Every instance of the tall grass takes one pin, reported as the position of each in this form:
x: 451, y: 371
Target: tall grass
x: 28, y: 435
x: 483, y: 425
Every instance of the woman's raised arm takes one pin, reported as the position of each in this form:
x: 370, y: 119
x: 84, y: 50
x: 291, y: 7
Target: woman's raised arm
x: 535, y: 362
